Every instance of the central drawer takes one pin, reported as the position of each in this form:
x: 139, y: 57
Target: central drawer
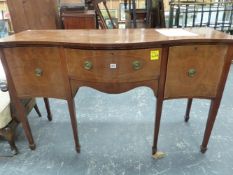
x: 114, y: 65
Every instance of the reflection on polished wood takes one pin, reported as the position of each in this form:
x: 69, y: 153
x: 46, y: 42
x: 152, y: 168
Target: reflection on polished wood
x: 113, y: 39
x: 56, y: 63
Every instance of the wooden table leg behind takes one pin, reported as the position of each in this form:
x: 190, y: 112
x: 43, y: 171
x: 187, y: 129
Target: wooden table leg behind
x: 188, y: 108
x: 49, y: 114
x: 72, y: 111
x: 37, y: 110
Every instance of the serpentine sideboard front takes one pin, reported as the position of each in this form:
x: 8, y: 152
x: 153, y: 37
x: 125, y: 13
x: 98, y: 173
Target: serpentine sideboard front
x: 174, y: 63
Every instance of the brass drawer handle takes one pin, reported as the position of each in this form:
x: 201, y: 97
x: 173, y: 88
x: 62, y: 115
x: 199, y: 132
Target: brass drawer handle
x: 136, y: 65
x: 38, y: 72
x: 88, y: 65
x: 192, y: 72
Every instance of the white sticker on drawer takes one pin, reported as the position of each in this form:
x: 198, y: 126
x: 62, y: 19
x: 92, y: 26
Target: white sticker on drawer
x: 113, y: 66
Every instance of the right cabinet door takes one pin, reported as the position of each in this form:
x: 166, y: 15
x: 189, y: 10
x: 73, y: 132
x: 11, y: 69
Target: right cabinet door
x: 194, y: 70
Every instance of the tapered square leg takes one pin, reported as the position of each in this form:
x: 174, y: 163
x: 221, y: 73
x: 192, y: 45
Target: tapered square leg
x: 159, y: 105
x: 72, y: 111
x: 25, y: 124
x: 160, y: 98
x: 203, y: 149
x: 210, y: 123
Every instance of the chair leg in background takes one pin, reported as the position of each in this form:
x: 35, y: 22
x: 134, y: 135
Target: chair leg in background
x: 188, y: 108
x: 49, y: 114
x: 37, y: 110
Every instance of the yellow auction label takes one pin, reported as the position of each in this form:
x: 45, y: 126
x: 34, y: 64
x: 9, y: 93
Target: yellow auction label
x: 154, y: 54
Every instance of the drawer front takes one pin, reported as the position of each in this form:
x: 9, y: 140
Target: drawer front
x: 36, y: 71
x: 114, y: 65
x: 194, y: 71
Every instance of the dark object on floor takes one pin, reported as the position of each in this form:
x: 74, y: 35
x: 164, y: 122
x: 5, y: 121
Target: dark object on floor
x: 8, y: 132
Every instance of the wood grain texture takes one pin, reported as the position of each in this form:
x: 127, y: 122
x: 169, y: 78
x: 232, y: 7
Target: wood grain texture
x: 123, y: 60
x: 21, y: 113
x: 23, y: 61
x: 113, y: 39
x: 33, y: 14
x: 160, y: 98
x: 79, y: 20
x: 215, y: 103
x: 70, y: 99
x: 61, y: 55
x: 18, y: 15
x: 207, y: 60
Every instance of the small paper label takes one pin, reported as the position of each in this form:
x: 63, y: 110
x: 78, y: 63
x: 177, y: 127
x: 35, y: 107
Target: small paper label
x: 113, y: 66
x: 154, y: 54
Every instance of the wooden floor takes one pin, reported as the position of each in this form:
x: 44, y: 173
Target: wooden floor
x: 116, y: 134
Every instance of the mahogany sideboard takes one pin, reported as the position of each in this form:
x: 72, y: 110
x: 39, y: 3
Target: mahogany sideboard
x: 174, y: 63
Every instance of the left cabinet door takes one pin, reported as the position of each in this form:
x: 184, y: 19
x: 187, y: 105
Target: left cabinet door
x: 36, y: 71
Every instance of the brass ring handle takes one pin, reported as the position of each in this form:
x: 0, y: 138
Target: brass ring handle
x: 136, y: 65
x: 88, y: 65
x: 192, y: 72
x: 38, y: 72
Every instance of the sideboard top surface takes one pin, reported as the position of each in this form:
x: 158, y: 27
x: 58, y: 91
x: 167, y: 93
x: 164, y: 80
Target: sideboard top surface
x: 115, y: 38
